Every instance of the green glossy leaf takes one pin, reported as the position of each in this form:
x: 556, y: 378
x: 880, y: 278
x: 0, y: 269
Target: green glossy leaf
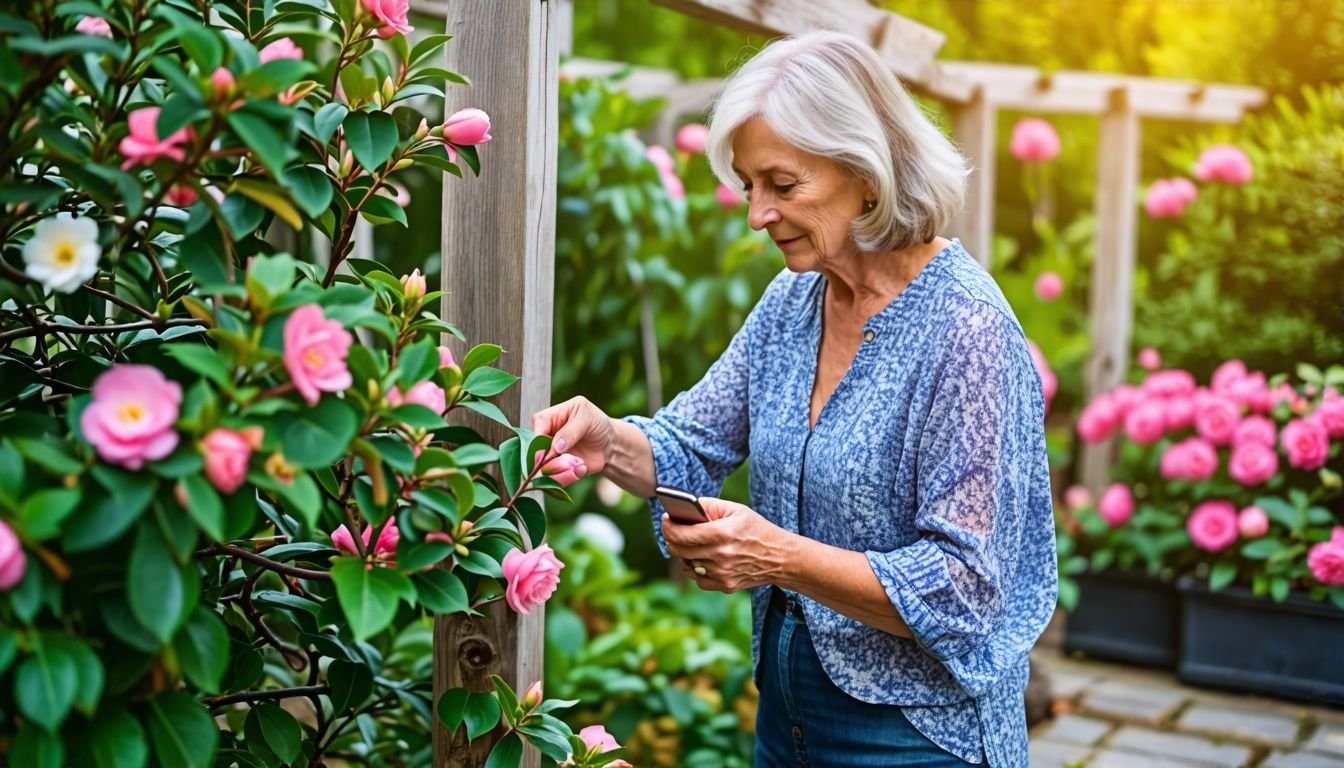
x: 203, y: 47
x: 318, y: 436
x: 266, y: 143
x: 426, y: 46
x: 369, y: 596
x: 452, y: 708
x: 351, y: 684
x: 480, y: 714
x: 44, y: 685
x: 204, y: 506
x: 88, y: 669
x: 1222, y: 575
x: 11, y: 475
x: 269, y: 277
x: 155, y: 586
x: 202, y: 359
x: 488, y: 382
x: 202, y: 648
x: 508, y: 753
x: 310, y: 187
x: 41, y: 515
x: 479, y: 355
x: 371, y: 136
x: 182, y: 732
x: 116, y: 740
x: 380, y: 209
x: 1261, y: 548
x: 36, y: 748
x: 441, y: 592
x: 328, y: 119
x: 277, y: 729
x: 510, y: 464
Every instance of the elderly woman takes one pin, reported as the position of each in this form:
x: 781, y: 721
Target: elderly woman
x: 900, y: 544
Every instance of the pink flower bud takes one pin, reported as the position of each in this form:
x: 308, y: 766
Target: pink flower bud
x: 1116, y: 505
x: 284, y: 48
x: 563, y: 469
x: 94, y: 25
x: 467, y: 127
x: 222, y: 82
x: 227, y: 454
x: 1077, y: 497
x: 181, y: 196
x: 533, y: 696
x: 446, y: 358
x: 1149, y: 359
x: 1048, y: 286
x: 413, y: 285
x: 1252, y: 522
x: 422, y: 130
x: 691, y: 138
x: 727, y: 197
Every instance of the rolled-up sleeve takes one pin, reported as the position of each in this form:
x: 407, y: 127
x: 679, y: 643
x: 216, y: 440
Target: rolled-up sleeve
x: 701, y: 436
x: 978, y: 585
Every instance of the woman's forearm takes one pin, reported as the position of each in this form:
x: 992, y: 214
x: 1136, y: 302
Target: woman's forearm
x: 842, y: 580
x: 630, y: 463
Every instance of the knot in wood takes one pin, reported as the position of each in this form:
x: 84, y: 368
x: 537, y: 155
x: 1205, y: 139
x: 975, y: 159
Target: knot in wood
x: 476, y: 653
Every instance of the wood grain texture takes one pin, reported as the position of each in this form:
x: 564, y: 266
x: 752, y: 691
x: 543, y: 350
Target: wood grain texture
x: 1112, y: 310
x: 498, y: 271
x: 974, y: 130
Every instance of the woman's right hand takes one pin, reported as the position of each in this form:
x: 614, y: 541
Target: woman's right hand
x: 580, y: 429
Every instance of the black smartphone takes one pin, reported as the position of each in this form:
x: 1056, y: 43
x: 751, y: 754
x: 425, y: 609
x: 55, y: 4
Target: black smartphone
x: 682, y: 506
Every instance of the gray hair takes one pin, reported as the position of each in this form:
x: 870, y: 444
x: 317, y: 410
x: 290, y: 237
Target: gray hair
x: 830, y: 94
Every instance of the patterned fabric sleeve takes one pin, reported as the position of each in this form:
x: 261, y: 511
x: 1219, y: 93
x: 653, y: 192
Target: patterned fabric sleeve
x: 960, y: 588
x: 701, y: 436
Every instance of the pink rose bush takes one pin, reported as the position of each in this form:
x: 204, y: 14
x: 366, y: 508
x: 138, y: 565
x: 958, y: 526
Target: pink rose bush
x: 1193, y: 455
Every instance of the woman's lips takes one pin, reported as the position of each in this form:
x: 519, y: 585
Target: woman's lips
x: 789, y: 241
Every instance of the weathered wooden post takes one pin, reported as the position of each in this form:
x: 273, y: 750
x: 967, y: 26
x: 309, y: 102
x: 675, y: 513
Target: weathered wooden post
x: 1112, y: 299
x: 498, y: 270
x: 973, y: 129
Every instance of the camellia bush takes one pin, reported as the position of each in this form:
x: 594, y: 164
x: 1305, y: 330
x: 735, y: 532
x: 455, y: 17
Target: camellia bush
x: 1236, y: 482
x: 231, y: 501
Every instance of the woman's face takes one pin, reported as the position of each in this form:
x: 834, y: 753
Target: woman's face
x: 805, y: 202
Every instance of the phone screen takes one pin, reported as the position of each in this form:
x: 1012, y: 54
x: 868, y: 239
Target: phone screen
x: 681, y: 506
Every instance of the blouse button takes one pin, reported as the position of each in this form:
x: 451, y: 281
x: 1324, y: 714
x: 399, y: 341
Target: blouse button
x: 869, y: 335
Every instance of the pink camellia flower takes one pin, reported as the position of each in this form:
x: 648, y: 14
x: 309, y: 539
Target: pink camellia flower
x: 384, y: 549
x: 315, y: 350
x: 425, y: 393
x: 1224, y: 163
x: 727, y: 197
x: 1225, y: 374
x: 1330, y: 415
x: 1306, y: 443
x: 692, y: 137
x: 1252, y: 522
x: 1169, y: 382
x: 467, y: 127
x: 1216, y: 418
x: 1191, y: 459
x: 391, y: 14
x: 181, y: 196
x: 1116, y: 505
x: 1326, y: 559
x: 672, y: 183
x: 1255, y: 429
x: 130, y: 420
x: 1048, y: 286
x: 595, y: 737
x: 1179, y: 412
x: 1146, y: 423
x: 532, y: 577
x: 143, y: 144
x: 1167, y: 198
x: 1149, y: 359
x: 284, y: 48
x: 563, y: 469
x: 1213, y: 525
x: 413, y: 285
x: 13, y: 562
x: 1253, y: 463
x: 94, y: 25
x: 1098, y: 419
x: 1077, y: 497
x: 227, y: 453
x: 661, y: 158
x: 446, y: 358
x: 1034, y: 141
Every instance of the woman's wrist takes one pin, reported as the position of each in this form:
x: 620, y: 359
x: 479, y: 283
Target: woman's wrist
x: 629, y: 459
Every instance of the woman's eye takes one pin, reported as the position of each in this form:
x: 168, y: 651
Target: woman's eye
x: 785, y: 189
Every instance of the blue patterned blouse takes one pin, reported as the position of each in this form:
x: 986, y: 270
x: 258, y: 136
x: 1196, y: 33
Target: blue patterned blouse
x: 929, y: 457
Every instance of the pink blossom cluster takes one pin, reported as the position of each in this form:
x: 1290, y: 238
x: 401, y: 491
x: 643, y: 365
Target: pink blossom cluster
x: 1167, y: 198
x: 1231, y: 413
x: 667, y: 170
x: 1218, y: 164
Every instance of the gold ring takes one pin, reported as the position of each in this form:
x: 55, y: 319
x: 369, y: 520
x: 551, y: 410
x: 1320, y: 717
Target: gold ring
x: 700, y: 570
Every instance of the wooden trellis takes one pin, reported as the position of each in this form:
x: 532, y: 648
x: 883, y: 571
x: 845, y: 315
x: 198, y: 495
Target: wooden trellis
x: 498, y: 230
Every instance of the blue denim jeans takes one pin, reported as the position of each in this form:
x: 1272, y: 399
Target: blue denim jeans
x: 804, y: 720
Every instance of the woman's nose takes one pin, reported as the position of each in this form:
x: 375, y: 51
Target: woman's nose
x: 760, y: 213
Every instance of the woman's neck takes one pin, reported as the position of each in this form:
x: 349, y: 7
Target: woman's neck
x: 861, y: 284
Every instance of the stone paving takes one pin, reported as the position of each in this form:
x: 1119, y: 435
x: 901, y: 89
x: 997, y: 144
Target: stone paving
x: 1115, y: 716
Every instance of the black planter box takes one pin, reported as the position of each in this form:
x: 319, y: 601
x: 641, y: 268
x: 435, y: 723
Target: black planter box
x: 1126, y: 616
x: 1235, y: 640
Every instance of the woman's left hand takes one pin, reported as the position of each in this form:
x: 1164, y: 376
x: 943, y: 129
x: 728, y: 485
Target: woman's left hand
x: 736, y: 549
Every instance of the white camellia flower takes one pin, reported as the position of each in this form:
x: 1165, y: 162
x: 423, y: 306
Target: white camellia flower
x: 63, y: 252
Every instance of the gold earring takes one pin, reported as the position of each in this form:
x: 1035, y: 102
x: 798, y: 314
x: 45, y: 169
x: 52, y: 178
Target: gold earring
x: 869, y: 205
